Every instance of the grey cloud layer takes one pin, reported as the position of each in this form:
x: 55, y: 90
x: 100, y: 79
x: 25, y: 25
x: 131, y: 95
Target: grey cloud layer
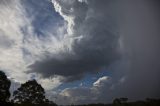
x: 94, y: 41
x: 85, y: 41
x: 141, y: 41
x: 137, y: 75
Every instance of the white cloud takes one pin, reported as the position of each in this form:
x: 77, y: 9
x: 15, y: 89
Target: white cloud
x: 101, y: 81
x: 69, y: 18
x: 50, y: 84
x: 11, y: 20
x: 20, y: 45
x: 84, y: 95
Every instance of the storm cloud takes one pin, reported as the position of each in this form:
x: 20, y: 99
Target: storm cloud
x: 115, y: 44
x: 136, y: 75
x: 93, y: 40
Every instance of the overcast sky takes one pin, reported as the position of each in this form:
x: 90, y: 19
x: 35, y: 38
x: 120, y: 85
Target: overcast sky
x: 82, y: 51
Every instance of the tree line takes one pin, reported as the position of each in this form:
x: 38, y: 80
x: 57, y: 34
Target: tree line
x: 32, y: 94
x: 28, y: 94
x: 125, y: 102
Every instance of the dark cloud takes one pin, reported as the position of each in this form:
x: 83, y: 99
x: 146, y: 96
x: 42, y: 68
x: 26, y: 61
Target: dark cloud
x: 95, y: 50
x: 136, y: 75
x: 141, y: 40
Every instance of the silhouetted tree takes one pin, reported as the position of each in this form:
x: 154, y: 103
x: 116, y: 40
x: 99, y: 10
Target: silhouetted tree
x: 4, y: 87
x: 123, y: 100
x: 116, y: 101
x: 120, y: 100
x: 30, y: 93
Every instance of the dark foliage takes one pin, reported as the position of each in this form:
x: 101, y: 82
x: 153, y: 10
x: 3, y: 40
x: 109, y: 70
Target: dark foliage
x: 32, y: 94
x: 29, y: 94
x: 123, y: 102
x: 120, y: 100
x: 4, y: 87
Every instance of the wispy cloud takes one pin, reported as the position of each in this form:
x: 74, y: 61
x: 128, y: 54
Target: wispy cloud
x: 21, y: 43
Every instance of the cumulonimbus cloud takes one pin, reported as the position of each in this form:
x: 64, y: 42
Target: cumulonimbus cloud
x: 93, y: 40
x: 67, y: 39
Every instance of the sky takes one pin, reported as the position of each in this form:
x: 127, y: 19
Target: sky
x: 82, y: 51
